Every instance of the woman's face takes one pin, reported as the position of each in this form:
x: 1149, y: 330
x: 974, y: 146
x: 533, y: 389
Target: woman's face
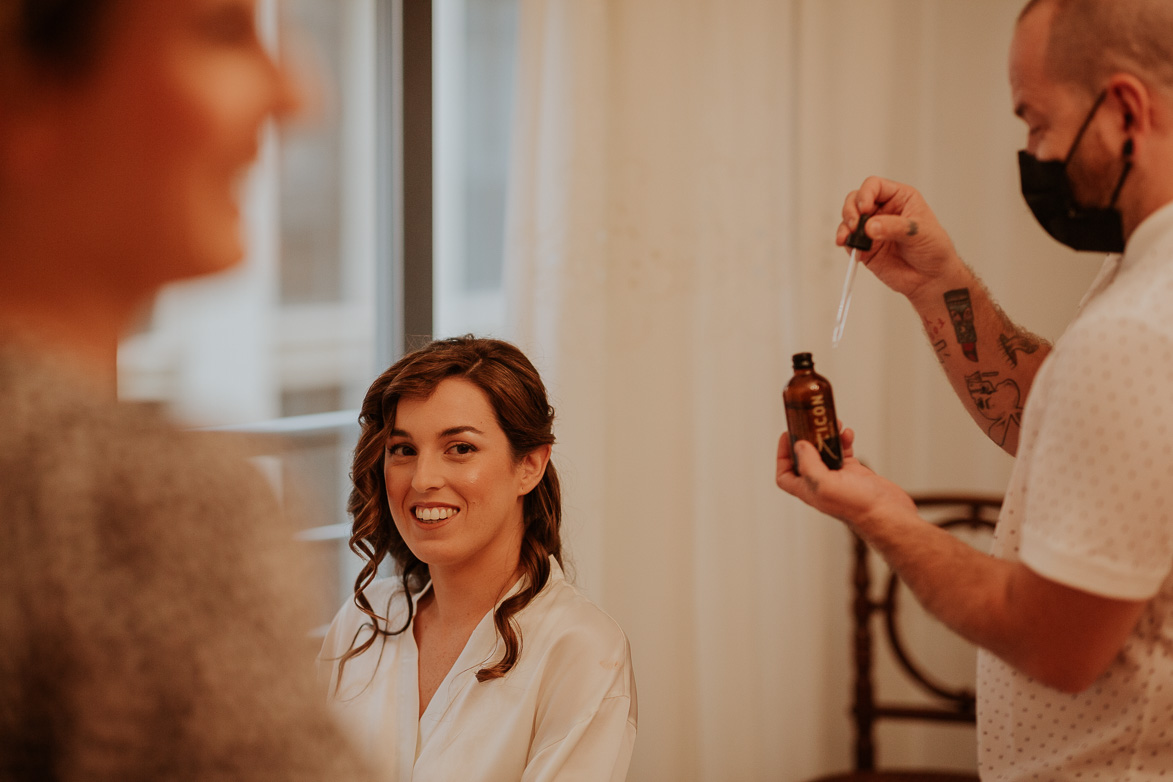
x: 455, y: 490
x: 153, y: 142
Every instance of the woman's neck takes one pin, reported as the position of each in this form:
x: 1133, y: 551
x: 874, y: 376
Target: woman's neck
x: 465, y: 594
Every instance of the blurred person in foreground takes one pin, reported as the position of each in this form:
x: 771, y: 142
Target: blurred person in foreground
x: 1074, y: 610
x: 151, y: 624
x: 477, y: 661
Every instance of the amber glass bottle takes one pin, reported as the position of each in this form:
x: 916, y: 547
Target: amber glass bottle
x: 810, y: 411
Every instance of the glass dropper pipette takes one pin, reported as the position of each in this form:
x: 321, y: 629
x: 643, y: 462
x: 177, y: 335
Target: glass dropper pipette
x: 858, y: 241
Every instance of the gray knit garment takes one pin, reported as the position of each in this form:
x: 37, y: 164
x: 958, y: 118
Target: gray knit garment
x: 153, y: 607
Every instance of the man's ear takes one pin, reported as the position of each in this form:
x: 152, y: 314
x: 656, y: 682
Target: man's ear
x: 1135, y: 105
x: 532, y: 468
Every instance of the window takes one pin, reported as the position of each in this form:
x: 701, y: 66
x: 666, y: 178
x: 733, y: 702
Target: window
x: 288, y: 343
x: 475, y: 56
x: 339, y: 276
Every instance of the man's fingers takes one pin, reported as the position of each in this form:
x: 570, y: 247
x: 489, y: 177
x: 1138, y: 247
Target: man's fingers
x: 875, y: 192
x: 850, y: 209
x: 892, y: 228
x: 784, y: 446
x: 847, y: 441
x: 784, y: 467
x: 808, y: 459
x: 850, y: 216
x: 873, y: 195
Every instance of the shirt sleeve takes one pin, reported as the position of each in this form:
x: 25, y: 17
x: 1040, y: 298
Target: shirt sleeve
x: 587, y: 721
x: 1097, y: 515
x: 333, y: 647
x: 596, y: 749
x: 350, y: 628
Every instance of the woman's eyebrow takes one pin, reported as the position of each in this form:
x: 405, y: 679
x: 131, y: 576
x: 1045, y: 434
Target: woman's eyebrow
x: 454, y: 430
x: 449, y: 432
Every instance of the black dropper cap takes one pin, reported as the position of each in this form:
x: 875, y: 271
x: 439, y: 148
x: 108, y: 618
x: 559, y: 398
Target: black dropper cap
x: 858, y: 238
x: 803, y: 361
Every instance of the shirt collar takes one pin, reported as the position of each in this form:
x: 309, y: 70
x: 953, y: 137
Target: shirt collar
x: 1146, y: 235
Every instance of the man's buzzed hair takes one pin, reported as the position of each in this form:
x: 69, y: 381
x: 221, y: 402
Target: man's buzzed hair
x: 1092, y: 39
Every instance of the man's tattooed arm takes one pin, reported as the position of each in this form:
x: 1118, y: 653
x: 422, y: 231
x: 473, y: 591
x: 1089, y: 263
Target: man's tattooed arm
x: 990, y: 361
x: 997, y: 401
x: 1013, y: 344
x: 961, y: 313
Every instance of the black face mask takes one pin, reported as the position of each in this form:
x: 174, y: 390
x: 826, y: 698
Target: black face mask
x: 1048, y: 193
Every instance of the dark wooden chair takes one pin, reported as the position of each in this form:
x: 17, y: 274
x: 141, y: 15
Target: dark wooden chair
x: 942, y: 703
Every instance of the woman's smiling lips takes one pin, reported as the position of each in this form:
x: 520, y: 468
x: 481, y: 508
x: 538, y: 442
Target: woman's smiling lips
x: 433, y: 513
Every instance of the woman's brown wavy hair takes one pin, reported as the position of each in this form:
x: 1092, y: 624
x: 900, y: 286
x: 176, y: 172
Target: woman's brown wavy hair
x: 518, y: 397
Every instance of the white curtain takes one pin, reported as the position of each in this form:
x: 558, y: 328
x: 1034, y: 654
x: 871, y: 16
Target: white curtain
x: 679, y: 168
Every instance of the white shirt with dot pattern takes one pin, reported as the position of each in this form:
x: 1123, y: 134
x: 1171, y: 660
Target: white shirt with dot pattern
x: 1090, y: 505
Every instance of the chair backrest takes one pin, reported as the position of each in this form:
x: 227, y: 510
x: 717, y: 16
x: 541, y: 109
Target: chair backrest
x: 943, y: 703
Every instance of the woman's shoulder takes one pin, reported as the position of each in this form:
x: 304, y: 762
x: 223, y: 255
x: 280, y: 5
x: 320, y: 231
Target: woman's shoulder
x: 576, y: 648
x: 386, y: 598
x: 563, y: 611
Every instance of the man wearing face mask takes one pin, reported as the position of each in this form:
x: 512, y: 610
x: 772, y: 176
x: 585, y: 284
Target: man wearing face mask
x: 1074, y: 612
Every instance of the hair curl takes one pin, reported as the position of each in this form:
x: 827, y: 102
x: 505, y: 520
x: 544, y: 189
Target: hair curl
x: 518, y: 398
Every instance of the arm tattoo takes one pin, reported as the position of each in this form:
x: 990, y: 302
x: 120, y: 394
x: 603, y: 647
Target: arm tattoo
x: 1000, y: 403
x: 1018, y: 343
x: 934, y: 329
x: 961, y: 313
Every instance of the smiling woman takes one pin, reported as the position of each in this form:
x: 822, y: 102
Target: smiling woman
x: 453, y: 481
x: 455, y: 489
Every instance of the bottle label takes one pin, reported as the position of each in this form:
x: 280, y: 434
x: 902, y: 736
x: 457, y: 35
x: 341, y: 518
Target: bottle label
x: 813, y: 420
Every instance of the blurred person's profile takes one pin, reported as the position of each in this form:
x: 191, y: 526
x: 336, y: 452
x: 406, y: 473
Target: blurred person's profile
x: 151, y: 615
